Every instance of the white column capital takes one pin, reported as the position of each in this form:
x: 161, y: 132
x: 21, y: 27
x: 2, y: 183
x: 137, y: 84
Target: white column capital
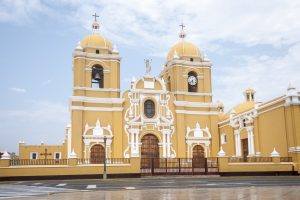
x: 236, y: 132
x: 249, y: 128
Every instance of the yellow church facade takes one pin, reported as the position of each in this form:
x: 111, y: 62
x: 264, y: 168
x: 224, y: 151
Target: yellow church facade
x: 171, y: 115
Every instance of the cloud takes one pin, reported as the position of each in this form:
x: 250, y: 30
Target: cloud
x: 20, y: 11
x: 155, y: 23
x: 36, y: 121
x: 39, y: 111
x: 20, y: 90
x: 46, y: 82
x: 269, y: 76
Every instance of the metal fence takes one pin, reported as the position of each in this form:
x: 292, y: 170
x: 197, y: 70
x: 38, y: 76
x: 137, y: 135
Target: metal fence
x: 18, y: 162
x: 101, y: 161
x: 179, y: 166
x: 286, y: 159
x: 250, y: 159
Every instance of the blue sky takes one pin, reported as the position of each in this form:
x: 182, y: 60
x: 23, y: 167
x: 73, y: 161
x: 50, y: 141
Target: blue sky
x: 250, y: 44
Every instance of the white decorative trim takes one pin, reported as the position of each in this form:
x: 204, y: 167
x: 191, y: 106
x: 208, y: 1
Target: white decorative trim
x: 221, y: 152
x: 224, y: 125
x: 294, y: 149
x: 200, y: 136
x: 77, y: 54
x: 150, y: 91
x: 189, y: 112
x: 192, y: 93
x: 97, y: 108
x: 275, y: 153
x: 270, y: 103
x: 195, y: 104
x: 97, y: 100
x: 97, y: 89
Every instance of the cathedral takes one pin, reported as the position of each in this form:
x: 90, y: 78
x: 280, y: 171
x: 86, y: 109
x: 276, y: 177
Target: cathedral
x: 171, y: 115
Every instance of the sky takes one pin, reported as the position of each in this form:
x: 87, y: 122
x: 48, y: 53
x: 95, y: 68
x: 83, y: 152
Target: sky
x: 251, y: 43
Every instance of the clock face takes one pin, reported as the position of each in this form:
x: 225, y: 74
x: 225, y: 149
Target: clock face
x: 192, y: 80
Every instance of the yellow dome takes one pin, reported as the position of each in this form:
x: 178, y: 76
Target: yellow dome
x: 96, y: 40
x: 184, y: 48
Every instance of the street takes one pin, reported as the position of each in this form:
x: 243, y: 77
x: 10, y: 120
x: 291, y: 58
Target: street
x: 184, y: 187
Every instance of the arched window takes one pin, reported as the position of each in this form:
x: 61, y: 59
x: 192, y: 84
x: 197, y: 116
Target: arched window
x: 192, y: 82
x: 149, y: 108
x: 97, y: 77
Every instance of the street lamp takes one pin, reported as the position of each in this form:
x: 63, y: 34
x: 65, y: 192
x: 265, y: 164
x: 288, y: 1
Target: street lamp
x: 104, y: 173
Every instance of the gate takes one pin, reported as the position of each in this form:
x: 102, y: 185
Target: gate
x: 179, y: 166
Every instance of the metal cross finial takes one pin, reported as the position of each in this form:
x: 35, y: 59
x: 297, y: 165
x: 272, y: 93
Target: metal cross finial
x: 95, y: 15
x: 148, y: 65
x: 182, y: 26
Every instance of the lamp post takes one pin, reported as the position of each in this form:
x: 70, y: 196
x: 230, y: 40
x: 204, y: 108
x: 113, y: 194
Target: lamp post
x: 104, y: 172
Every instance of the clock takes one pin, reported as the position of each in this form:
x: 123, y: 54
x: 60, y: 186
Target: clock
x: 192, y: 80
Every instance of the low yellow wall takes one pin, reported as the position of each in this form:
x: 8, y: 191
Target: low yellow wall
x: 57, y: 170
x: 275, y: 166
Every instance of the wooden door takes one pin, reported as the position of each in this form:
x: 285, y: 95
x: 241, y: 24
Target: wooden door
x: 97, y: 154
x: 149, y: 151
x: 198, y: 156
x: 245, y: 148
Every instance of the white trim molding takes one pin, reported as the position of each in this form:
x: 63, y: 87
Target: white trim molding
x: 192, y: 93
x: 190, y: 112
x: 97, y: 89
x: 97, y: 100
x: 294, y: 149
x: 195, y: 104
x: 119, y: 109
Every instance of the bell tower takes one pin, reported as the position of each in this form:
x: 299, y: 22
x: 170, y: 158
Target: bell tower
x: 187, y: 75
x: 96, y: 90
x: 186, y: 72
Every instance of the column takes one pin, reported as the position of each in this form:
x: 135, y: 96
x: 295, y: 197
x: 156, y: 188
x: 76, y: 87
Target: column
x: 134, y: 143
x: 137, y: 149
x: 237, y: 143
x: 168, y: 144
x: 250, y: 140
x: 164, y: 144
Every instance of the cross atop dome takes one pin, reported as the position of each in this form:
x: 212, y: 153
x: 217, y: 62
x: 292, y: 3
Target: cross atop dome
x: 182, y: 34
x: 95, y: 24
x: 95, y: 15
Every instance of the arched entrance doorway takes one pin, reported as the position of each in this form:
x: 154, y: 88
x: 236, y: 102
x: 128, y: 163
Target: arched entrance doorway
x: 97, y: 154
x: 149, y: 150
x: 198, y: 157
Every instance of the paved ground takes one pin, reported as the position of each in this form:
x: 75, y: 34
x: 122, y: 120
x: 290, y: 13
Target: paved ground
x: 191, y: 187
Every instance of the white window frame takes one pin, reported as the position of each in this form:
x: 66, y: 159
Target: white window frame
x: 55, y: 155
x: 223, y: 137
x: 31, y: 155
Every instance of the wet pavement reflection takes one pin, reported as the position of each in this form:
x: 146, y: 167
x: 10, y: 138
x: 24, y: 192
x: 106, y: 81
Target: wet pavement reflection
x: 253, y: 193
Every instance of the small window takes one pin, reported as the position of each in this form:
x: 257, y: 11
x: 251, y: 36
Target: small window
x: 191, y: 59
x: 57, y: 155
x: 97, y: 51
x: 223, y: 138
x: 33, y: 156
x: 149, y: 108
